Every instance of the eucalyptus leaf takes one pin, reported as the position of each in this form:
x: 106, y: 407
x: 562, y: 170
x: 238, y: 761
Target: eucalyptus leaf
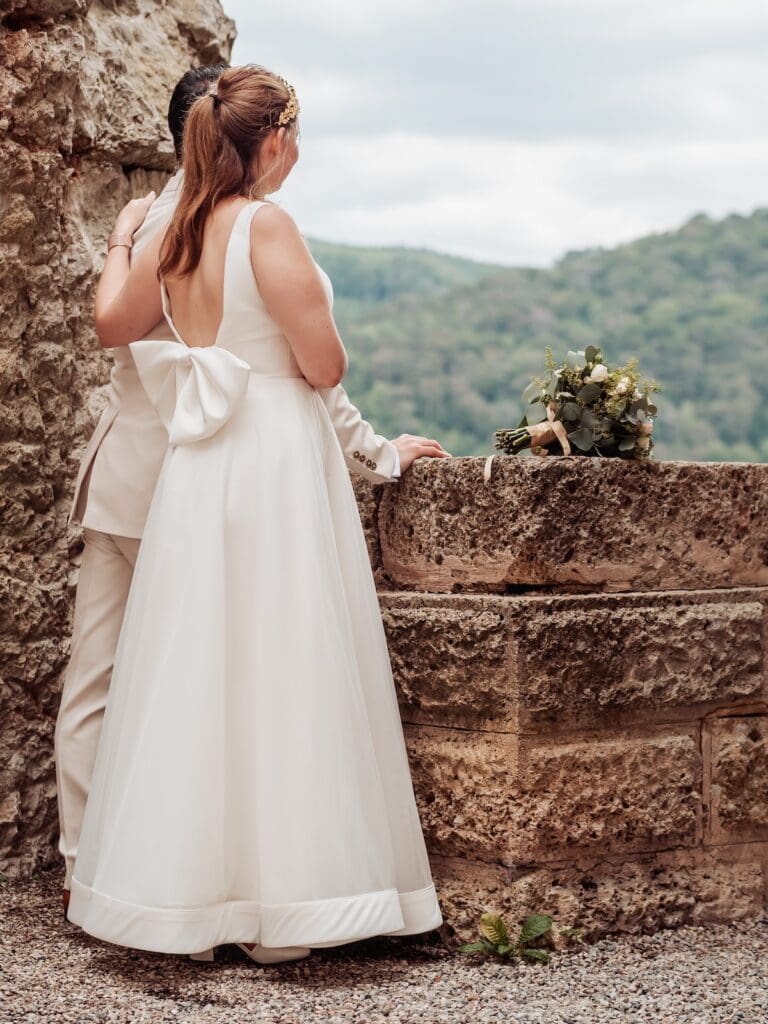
x: 591, y: 353
x: 589, y: 393
x: 652, y: 409
x: 574, y: 360
x: 588, y: 418
x: 531, y: 392
x: 570, y: 412
x: 536, y: 413
x: 553, y: 384
x: 583, y: 438
x: 626, y: 444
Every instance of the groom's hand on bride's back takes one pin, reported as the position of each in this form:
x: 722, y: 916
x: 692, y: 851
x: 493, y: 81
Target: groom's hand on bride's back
x: 411, y: 447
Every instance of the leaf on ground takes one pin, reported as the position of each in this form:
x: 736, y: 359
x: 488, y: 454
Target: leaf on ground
x: 494, y: 929
x: 539, y: 955
x: 533, y: 927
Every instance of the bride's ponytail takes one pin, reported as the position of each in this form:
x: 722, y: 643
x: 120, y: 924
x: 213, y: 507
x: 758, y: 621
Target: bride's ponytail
x: 222, y: 138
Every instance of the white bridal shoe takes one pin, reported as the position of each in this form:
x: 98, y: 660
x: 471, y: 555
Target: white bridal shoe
x: 274, y: 954
x: 261, y: 954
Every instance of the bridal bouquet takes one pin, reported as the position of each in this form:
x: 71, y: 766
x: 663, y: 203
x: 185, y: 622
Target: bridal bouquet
x: 583, y: 407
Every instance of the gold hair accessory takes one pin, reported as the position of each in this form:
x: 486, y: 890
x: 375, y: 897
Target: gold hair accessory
x: 291, y: 108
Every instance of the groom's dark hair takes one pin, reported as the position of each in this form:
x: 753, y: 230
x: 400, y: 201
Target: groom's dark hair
x: 191, y: 86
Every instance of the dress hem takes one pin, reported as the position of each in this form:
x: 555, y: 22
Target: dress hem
x: 316, y: 923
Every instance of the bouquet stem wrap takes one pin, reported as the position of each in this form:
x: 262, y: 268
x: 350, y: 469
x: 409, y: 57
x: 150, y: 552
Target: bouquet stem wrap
x: 543, y: 433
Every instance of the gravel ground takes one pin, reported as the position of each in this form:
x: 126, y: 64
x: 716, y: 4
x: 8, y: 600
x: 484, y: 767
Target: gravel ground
x: 52, y: 972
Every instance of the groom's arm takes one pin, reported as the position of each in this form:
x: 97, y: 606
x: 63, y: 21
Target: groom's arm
x: 365, y: 451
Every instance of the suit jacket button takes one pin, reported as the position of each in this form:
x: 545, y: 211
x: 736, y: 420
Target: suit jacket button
x: 357, y: 455
x: 374, y: 466
x: 369, y: 463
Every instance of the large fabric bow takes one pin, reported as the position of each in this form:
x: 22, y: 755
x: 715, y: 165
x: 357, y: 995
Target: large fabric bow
x: 195, y: 390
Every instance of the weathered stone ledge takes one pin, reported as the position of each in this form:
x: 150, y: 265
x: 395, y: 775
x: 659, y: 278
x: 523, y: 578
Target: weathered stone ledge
x: 572, y: 524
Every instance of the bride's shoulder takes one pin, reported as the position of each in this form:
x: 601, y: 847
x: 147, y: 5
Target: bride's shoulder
x: 274, y: 232
x: 272, y: 220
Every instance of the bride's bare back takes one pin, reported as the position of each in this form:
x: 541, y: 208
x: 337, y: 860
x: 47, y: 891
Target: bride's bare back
x: 197, y: 299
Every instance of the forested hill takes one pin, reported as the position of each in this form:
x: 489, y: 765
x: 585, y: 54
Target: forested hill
x: 443, y: 346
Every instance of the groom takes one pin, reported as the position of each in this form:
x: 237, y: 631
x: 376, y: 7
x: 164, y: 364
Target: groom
x: 112, y: 497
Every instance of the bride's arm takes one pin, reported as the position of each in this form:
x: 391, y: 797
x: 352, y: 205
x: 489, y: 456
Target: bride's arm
x: 294, y: 295
x: 128, y: 302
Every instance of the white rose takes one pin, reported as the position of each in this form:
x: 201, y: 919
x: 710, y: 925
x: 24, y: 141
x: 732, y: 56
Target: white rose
x: 598, y: 374
x: 646, y: 428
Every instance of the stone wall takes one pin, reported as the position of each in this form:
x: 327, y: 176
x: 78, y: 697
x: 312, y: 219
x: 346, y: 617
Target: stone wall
x: 579, y: 645
x: 579, y: 649
x: 84, y: 87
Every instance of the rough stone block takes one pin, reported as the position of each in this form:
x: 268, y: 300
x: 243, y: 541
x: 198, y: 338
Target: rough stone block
x: 738, y: 788
x: 594, y: 662
x: 535, y: 664
x: 497, y: 797
x: 452, y: 660
x: 368, y: 496
x: 643, y: 894
x: 578, y: 523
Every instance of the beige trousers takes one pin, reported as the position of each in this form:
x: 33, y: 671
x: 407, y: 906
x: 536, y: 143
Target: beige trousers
x: 102, y: 592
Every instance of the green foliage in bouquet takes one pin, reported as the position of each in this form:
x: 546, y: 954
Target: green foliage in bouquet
x: 534, y: 929
x: 583, y: 407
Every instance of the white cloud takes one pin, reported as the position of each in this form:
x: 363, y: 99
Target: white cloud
x: 519, y: 203
x: 518, y: 129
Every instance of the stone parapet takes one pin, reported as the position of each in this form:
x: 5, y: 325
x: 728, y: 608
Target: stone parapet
x: 575, y: 524
x: 578, y: 648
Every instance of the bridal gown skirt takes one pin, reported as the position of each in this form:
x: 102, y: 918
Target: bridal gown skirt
x: 252, y: 783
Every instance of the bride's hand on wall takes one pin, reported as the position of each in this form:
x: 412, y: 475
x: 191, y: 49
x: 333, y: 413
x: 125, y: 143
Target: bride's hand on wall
x: 411, y: 447
x: 132, y: 215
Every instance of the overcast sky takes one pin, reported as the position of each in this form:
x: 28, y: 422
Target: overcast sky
x: 516, y: 130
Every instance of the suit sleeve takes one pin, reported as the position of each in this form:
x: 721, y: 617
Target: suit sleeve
x: 366, y: 452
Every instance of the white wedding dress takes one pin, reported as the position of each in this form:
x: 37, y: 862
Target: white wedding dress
x: 252, y: 782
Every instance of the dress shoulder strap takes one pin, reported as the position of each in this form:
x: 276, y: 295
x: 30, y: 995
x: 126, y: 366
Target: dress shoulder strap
x: 238, y: 275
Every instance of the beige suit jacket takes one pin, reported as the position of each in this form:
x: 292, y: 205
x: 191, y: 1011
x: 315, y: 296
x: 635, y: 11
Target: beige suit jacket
x: 121, y: 464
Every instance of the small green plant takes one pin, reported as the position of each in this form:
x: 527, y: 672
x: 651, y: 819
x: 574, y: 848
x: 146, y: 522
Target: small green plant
x: 534, y: 929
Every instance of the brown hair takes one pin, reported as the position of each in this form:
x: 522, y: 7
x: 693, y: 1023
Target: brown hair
x: 222, y: 138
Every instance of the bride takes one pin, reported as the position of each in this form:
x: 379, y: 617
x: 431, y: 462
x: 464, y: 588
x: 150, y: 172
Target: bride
x: 252, y: 783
